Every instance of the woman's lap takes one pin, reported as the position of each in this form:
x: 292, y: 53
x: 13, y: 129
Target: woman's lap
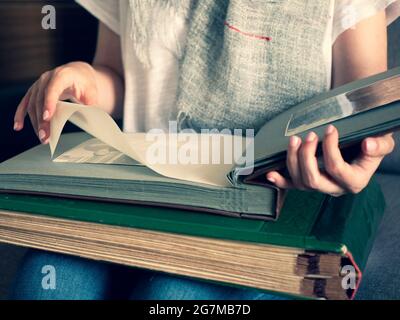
x: 51, y: 276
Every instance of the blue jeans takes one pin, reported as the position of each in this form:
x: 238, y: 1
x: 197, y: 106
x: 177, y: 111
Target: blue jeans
x: 50, y: 276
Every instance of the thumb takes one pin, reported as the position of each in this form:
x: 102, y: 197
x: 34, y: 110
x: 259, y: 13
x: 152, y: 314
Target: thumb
x: 378, y: 147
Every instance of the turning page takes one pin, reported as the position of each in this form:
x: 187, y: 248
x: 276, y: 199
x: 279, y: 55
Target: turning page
x: 197, y: 157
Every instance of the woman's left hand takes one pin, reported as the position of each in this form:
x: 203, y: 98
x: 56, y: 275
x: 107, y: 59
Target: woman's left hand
x: 339, y: 177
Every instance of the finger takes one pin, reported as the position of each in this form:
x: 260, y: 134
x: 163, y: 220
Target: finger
x: 312, y: 178
x: 21, y: 111
x: 373, y: 152
x: 334, y: 163
x: 43, y: 126
x: 44, y: 132
x: 327, y: 185
x: 277, y: 179
x: 353, y: 178
x: 378, y: 147
x: 308, y: 163
x: 292, y: 161
x: 59, y: 81
x: 31, y: 108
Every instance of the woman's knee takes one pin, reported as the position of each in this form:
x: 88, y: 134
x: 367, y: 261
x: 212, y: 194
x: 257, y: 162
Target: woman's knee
x: 47, y: 275
x: 158, y: 286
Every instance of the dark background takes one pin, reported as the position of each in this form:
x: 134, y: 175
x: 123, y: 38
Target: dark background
x: 27, y: 50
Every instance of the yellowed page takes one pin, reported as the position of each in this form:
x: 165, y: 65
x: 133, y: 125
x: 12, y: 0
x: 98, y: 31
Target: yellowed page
x: 139, y: 146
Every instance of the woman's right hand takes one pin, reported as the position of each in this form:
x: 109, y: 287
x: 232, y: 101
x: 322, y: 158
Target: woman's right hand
x: 75, y: 81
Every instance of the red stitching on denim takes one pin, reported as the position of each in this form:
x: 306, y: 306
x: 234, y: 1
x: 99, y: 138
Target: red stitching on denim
x: 246, y: 33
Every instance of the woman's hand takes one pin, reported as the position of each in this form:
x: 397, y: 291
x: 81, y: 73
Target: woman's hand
x: 75, y: 81
x: 339, y: 177
x: 351, y: 61
x: 99, y: 84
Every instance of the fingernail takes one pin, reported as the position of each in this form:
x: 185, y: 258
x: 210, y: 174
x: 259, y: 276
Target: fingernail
x: 271, y: 179
x: 46, y: 115
x: 329, y: 129
x: 311, y: 137
x: 294, y: 141
x: 16, y: 126
x: 42, y: 135
x: 371, y: 145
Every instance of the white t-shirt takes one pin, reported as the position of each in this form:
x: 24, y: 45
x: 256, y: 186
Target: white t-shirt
x: 150, y: 93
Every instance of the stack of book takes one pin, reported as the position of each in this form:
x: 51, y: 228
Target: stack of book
x: 101, y: 198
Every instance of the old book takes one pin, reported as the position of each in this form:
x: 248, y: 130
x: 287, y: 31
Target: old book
x: 317, y: 248
x: 115, y: 166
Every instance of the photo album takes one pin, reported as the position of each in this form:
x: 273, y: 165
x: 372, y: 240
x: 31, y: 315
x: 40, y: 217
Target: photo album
x: 165, y: 201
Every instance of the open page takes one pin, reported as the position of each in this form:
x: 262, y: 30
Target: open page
x: 204, y: 158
